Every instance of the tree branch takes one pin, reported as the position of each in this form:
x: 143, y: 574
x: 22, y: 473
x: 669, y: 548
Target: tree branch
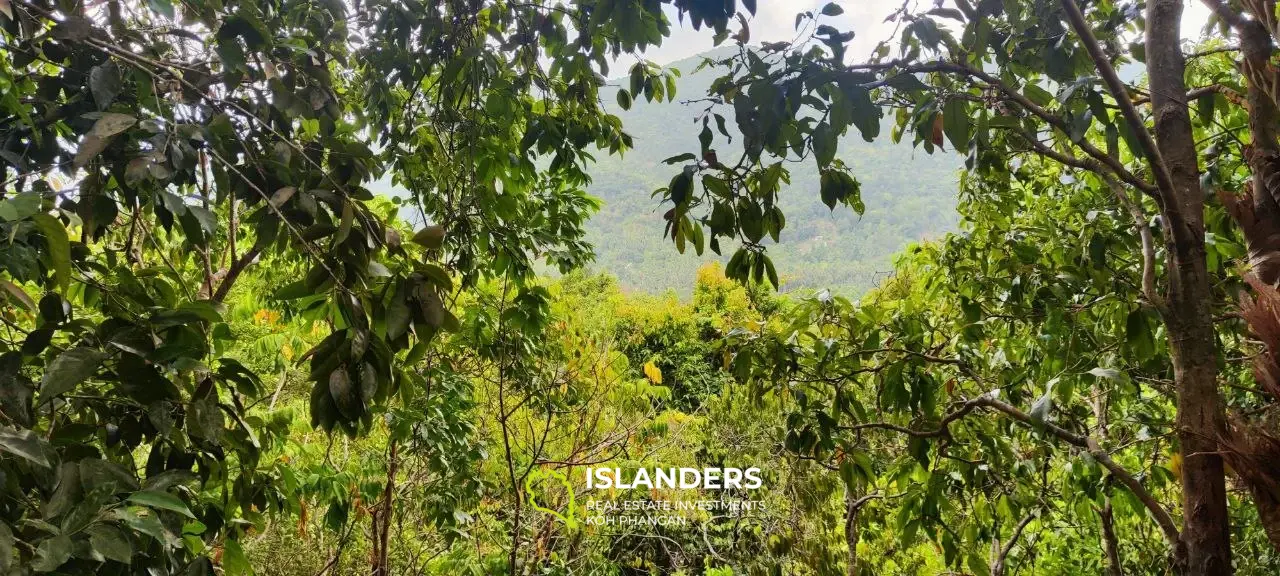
x: 1231, y: 95
x: 1052, y: 119
x: 1225, y: 13
x: 233, y: 273
x: 1110, y: 543
x: 941, y: 430
x: 1117, y: 88
x: 1158, y: 512
x: 1072, y: 161
x: 1149, y: 290
x: 997, y: 564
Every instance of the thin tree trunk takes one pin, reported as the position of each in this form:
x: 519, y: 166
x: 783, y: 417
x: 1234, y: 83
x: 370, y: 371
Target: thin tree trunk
x: 284, y: 378
x: 1188, y: 316
x: 233, y: 273
x: 382, y: 518
x: 1106, y: 520
x: 1001, y: 553
x: 1110, y: 544
x: 852, y: 505
x: 513, y: 555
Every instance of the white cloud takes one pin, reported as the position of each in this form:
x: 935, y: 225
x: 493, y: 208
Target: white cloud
x: 775, y: 21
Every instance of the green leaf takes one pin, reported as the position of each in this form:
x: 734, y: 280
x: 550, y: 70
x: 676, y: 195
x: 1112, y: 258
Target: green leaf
x: 161, y: 501
x: 52, y: 553
x: 1205, y: 108
x: 103, y: 476
x: 637, y: 78
x: 201, y: 566
x: 824, y: 144
x: 146, y: 522
x: 1138, y: 337
x: 438, y: 276
x: 750, y: 220
x: 67, y: 493
x: 1037, y: 94
x: 344, y: 394
x: 207, y: 220
x: 977, y: 565
x: 829, y: 189
x: 681, y: 188
x: 1080, y: 125
x: 832, y: 9
x: 104, y: 82
x: 17, y: 293
x: 192, y: 228
x: 111, y: 543
x: 716, y: 186
x: 58, y: 254
x: 234, y: 560
x: 721, y: 127
x: 19, y: 207
x: 68, y: 370
x: 624, y: 99
x: 344, y: 228
x: 398, y: 316
x: 53, y: 309
x: 906, y: 82
x: 849, y: 474
x: 293, y: 291
x: 705, y: 137
x: 336, y: 517
x: 866, y: 115
x: 735, y: 269
x: 955, y: 123
x: 770, y: 272
x: 687, y: 156
x: 25, y: 444
x: 204, y: 420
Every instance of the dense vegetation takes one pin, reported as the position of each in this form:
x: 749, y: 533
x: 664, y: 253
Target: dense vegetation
x: 222, y: 353
x: 909, y: 196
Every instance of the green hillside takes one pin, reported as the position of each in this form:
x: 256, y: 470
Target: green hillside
x: 909, y: 196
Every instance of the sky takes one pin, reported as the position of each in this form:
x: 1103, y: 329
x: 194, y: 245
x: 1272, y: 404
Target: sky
x: 775, y: 21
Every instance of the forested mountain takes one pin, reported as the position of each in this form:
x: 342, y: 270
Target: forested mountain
x: 910, y: 196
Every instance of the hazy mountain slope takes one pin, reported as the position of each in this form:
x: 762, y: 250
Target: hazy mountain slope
x: 909, y: 196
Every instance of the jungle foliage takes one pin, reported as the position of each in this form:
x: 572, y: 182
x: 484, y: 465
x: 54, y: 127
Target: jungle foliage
x: 221, y: 353
x: 909, y: 197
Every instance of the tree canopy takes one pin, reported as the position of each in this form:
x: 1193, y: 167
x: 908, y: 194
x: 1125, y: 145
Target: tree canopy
x: 1082, y: 380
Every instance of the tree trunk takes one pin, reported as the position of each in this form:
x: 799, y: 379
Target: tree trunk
x: 851, y: 528
x: 382, y: 518
x: 1110, y: 544
x: 1106, y: 519
x: 1188, y: 316
x: 1250, y: 445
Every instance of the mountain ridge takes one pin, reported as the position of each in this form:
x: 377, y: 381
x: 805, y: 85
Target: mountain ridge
x: 909, y: 196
